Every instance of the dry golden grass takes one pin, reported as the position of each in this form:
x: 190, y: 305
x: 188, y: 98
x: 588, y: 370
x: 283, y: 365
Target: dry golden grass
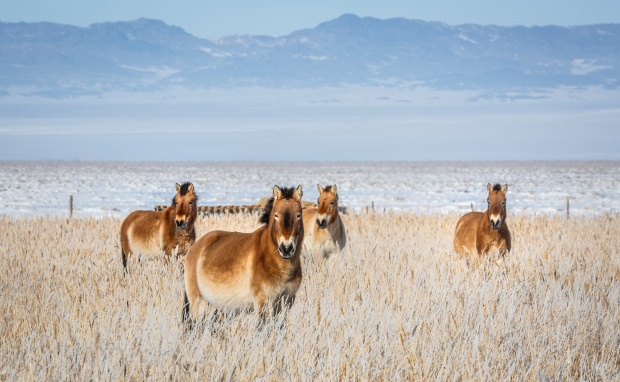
x: 396, y: 304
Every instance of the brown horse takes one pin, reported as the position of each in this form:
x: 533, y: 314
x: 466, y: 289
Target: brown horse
x: 483, y: 232
x: 325, y: 233
x: 258, y: 271
x: 150, y: 233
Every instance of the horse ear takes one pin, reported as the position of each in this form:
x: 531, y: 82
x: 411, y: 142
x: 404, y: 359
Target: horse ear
x: 190, y: 188
x: 298, y: 193
x: 277, y: 193
x: 505, y: 188
x: 321, y: 189
x: 489, y: 187
x: 178, y: 187
x: 335, y: 189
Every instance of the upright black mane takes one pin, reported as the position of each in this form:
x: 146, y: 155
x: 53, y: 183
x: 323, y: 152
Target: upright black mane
x: 287, y: 193
x: 328, y: 188
x: 184, y: 188
x: 497, y: 187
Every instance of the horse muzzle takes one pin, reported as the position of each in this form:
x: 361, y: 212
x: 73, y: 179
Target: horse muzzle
x: 496, y: 225
x: 321, y: 223
x: 287, y: 251
x: 181, y: 224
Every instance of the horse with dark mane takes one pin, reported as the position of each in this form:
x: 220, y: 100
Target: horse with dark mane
x: 258, y: 271
x: 483, y: 232
x: 151, y: 233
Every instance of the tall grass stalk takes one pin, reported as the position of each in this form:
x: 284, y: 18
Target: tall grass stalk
x: 396, y: 304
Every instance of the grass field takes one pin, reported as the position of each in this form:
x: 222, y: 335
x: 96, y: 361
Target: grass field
x: 396, y: 304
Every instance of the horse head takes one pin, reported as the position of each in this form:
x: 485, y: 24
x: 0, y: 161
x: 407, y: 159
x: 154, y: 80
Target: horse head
x: 496, y: 205
x: 286, y: 225
x: 184, y: 203
x: 328, y: 205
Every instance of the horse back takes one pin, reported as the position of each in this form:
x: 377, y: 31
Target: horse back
x: 141, y: 231
x: 219, y: 252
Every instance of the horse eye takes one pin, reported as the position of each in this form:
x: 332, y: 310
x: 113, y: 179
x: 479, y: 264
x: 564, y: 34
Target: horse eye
x: 504, y: 203
x: 191, y: 202
x: 298, y: 216
x: 332, y: 202
x: 275, y: 215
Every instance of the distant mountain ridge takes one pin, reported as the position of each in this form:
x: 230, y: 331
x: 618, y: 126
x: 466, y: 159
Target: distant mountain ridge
x: 55, y: 60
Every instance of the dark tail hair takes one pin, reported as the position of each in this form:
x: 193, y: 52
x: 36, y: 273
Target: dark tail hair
x: 124, y: 257
x: 186, y: 319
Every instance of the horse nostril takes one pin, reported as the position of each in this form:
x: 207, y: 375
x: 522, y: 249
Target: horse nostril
x: 286, y: 251
x: 180, y: 223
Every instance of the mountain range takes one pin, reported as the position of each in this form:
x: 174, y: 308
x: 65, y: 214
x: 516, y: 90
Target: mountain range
x: 55, y: 60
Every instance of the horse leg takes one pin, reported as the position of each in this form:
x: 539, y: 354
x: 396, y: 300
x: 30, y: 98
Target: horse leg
x: 191, y: 300
x: 284, y: 304
x: 282, y: 307
x: 215, y: 321
x: 261, y: 307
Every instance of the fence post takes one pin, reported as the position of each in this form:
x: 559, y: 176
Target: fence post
x: 472, y: 207
x: 71, y: 206
x: 567, y: 207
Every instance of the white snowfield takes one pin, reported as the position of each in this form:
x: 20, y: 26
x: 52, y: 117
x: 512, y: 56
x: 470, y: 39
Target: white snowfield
x: 30, y: 189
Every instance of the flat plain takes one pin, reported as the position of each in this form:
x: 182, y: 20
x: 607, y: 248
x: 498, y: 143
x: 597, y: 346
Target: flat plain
x: 396, y: 304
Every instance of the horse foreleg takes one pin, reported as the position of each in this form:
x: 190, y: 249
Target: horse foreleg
x: 261, y: 307
x: 284, y: 304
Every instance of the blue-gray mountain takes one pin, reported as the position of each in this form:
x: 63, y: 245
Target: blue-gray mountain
x: 59, y: 60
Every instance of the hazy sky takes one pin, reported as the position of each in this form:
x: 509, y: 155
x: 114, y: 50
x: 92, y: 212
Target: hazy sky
x: 214, y: 19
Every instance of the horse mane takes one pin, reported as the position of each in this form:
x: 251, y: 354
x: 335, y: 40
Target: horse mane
x: 287, y: 193
x: 497, y: 187
x: 328, y: 188
x: 184, y: 188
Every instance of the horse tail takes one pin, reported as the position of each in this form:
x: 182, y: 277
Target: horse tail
x: 123, y: 257
x: 186, y: 319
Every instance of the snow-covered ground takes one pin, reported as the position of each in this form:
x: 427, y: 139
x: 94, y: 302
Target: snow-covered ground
x: 116, y: 188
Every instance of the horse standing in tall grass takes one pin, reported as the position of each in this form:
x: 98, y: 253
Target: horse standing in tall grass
x: 150, y: 233
x: 258, y: 271
x: 483, y: 232
x: 325, y: 233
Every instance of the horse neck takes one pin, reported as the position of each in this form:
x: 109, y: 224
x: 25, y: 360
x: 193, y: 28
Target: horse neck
x: 334, y: 225
x: 265, y: 241
x: 169, y: 215
x: 191, y: 219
